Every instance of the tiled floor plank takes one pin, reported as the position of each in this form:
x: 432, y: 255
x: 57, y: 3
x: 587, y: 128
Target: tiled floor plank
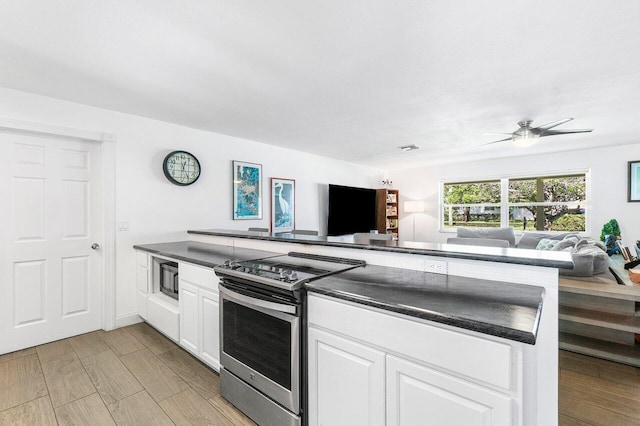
x: 122, y: 342
x: 21, y: 380
x: 17, y: 354
x: 66, y: 379
x: 139, y: 410
x: 37, y: 412
x: 600, y: 385
x: 189, y: 408
x: 582, y: 410
x: 151, y: 338
x: 201, y: 378
x: 89, y: 344
x: 110, y: 377
x: 570, y: 421
x: 50, y: 351
x: 89, y: 410
x: 610, y: 402
x: 160, y: 381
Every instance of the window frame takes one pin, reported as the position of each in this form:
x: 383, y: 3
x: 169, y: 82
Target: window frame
x: 504, y: 204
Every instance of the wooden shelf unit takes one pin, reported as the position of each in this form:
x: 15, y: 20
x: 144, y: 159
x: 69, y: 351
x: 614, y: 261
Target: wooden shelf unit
x: 387, y: 208
x: 601, y: 320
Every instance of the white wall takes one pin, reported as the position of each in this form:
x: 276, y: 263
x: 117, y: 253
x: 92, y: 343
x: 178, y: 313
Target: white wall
x: 608, y: 168
x: 158, y: 211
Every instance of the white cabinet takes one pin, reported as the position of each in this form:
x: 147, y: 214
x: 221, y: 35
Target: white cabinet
x: 346, y: 381
x: 416, y: 393
x: 199, y: 313
x: 157, y: 309
x: 189, y: 316
x: 143, y: 279
x: 370, y: 367
x: 209, y: 313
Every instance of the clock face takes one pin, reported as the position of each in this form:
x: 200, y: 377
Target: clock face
x: 181, y: 168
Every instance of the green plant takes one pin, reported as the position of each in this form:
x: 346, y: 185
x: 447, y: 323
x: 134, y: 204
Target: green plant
x: 569, y: 222
x: 610, y: 228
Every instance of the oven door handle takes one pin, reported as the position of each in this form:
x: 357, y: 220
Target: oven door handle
x: 279, y: 307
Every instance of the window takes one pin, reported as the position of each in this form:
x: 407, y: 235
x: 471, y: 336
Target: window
x: 541, y: 203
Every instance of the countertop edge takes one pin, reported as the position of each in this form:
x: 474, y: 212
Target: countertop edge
x: 306, y: 240
x: 483, y: 328
x: 175, y: 256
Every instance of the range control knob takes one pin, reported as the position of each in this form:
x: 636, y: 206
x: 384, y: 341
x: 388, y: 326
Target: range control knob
x: 293, y: 276
x: 227, y: 264
x: 283, y: 275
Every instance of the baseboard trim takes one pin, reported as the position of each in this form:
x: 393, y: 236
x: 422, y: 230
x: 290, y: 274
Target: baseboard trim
x: 129, y: 319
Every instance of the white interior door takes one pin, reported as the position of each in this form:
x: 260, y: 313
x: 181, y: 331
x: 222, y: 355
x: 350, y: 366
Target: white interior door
x: 50, y: 277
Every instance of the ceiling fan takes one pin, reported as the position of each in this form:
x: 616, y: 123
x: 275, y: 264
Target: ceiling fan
x: 529, y: 134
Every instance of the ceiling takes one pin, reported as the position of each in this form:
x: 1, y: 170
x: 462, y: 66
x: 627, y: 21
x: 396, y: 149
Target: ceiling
x: 347, y: 79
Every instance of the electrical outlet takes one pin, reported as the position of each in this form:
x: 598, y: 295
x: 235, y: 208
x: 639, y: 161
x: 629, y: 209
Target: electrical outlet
x: 435, y: 267
x: 122, y: 226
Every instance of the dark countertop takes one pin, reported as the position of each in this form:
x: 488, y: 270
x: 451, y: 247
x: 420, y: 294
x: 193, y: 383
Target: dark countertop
x: 507, y: 310
x: 208, y: 255
x: 552, y: 259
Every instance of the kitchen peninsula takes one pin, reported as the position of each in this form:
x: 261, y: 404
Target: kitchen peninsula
x: 478, y: 322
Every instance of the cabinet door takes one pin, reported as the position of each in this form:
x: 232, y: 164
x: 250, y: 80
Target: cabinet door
x: 189, y: 317
x: 142, y: 282
x: 346, y: 382
x: 209, y: 308
x: 417, y: 395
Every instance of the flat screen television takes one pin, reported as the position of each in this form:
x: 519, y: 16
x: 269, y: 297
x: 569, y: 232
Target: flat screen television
x: 351, y: 210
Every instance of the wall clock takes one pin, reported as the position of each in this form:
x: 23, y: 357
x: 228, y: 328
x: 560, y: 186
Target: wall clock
x: 181, y: 168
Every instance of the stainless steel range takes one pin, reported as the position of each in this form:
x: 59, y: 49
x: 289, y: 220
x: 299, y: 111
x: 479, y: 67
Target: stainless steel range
x: 262, y: 337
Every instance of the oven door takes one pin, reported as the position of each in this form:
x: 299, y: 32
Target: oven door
x: 260, y: 343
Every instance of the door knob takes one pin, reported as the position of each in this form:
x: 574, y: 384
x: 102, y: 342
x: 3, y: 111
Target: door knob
x: 95, y: 246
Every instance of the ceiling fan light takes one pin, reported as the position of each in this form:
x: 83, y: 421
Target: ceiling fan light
x: 526, y: 141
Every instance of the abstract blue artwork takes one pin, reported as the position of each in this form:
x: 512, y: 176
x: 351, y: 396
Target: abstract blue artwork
x: 247, y: 190
x: 283, y: 196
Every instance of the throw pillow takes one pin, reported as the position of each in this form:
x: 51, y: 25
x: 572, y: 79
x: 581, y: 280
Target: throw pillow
x: 530, y: 240
x: 546, y: 244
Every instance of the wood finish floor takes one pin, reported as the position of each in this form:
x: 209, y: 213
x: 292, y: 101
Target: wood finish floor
x: 136, y: 376
x: 597, y: 392
x: 129, y: 376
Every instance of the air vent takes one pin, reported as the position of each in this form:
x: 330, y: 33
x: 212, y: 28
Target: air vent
x: 409, y: 147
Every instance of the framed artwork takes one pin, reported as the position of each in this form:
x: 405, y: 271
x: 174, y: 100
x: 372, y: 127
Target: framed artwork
x: 634, y: 181
x: 247, y: 190
x: 283, y: 204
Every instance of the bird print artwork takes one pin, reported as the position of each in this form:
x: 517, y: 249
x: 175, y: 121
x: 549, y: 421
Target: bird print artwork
x: 282, y: 205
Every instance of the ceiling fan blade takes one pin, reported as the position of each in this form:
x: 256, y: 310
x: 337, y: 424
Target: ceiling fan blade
x: 564, y: 132
x: 554, y: 124
x: 496, y: 134
x: 501, y: 140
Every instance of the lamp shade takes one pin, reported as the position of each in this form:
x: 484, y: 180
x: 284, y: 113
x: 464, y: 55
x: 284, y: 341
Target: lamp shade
x: 414, y: 206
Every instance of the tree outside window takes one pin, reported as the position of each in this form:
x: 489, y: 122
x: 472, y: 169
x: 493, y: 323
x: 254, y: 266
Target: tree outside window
x: 543, y: 203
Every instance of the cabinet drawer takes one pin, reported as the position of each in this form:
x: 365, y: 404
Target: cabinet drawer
x: 475, y: 357
x: 164, y: 316
x: 197, y: 275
